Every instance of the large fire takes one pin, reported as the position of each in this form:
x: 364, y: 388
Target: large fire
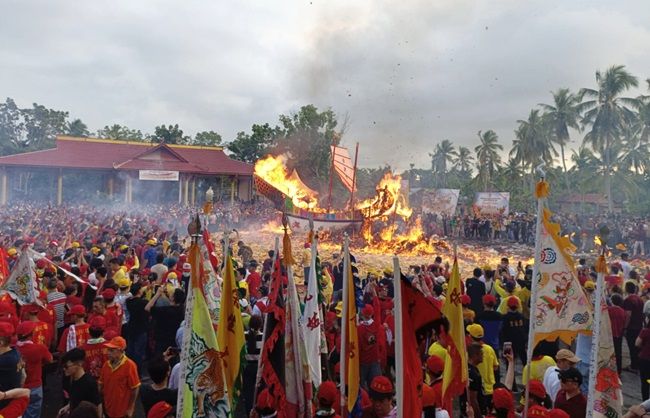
x: 274, y: 171
x: 388, y: 223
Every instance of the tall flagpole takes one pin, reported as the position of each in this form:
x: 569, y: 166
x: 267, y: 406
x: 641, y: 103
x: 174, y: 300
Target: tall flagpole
x: 595, y: 339
x: 534, y: 285
x: 354, y: 181
x: 344, y: 325
x: 399, y: 341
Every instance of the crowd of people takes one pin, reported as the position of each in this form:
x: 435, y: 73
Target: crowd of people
x: 633, y: 232
x: 115, y: 334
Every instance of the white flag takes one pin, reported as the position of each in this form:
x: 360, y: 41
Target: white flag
x: 311, y: 320
x: 21, y: 284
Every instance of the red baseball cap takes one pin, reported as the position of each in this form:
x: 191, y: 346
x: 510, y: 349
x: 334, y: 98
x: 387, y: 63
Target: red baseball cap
x: 367, y: 310
x: 6, y: 329
x: 489, y: 300
x: 117, y: 343
x: 98, y: 322
x: 513, y: 302
x: 327, y: 393
x: 465, y: 300
x: 502, y: 399
x: 78, y: 310
x: 558, y: 413
x: 435, y: 364
x: 108, y: 294
x: 380, y: 387
x: 25, y: 328
x: 536, y: 388
x: 160, y: 410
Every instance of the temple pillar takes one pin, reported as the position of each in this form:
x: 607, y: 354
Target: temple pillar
x: 3, y: 188
x: 59, y: 188
x: 111, y: 185
x: 186, y: 189
x: 232, y: 191
x: 128, y: 196
x: 180, y: 191
x: 193, y: 192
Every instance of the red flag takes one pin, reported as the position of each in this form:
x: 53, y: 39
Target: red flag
x: 214, y: 261
x: 419, y: 314
x: 4, y: 266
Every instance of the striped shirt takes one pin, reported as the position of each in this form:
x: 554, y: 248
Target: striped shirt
x: 56, y: 300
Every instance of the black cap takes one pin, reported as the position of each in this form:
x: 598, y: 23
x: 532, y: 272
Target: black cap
x: 571, y: 374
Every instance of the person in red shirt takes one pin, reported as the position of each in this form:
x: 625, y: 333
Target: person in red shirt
x: 113, y: 322
x: 369, y: 360
x: 113, y: 309
x: 119, y: 381
x: 435, y: 367
x: 77, y: 333
x: 617, y: 319
x: 569, y: 398
x: 633, y: 306
x: 326, y: 397
x: 254, y: 280
x: 96, y: 352
x: 42, y: 330
x: 8, y: 312
x: 18, y: 401
x: 35, y: 357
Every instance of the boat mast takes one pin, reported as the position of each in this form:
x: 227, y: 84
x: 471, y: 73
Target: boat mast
x: 329, y: 200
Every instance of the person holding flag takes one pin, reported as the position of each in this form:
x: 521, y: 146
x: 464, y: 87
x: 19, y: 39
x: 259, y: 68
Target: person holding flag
x: 350, y: 374
x: 455, y: 376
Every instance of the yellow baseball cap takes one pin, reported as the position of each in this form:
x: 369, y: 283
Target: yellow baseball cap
x: 475, y: 330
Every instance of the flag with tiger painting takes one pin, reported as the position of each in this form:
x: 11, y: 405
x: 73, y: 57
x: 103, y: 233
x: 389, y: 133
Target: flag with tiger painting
x: 563, y: 309
x: 202, y: 390
x: 230, y: 334
x: 21, y: 284
x: 608, y: 394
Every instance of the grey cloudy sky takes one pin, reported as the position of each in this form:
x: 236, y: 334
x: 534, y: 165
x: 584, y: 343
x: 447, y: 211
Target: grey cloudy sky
x: 409, y: 73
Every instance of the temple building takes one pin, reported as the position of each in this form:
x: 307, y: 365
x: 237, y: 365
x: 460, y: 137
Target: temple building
x: 87, y: 169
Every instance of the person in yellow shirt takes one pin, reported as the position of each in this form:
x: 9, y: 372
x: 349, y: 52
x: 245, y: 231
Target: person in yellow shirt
x: 538, y: 365
x: 505, y: 291
x: 438, y: 350
x: 490, y: 364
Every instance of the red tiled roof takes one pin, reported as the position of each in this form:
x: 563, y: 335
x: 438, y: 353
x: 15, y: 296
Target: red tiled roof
x: 91, y: 153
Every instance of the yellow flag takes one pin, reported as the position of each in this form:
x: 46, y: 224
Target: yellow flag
x: 455, y: 375
x: 230, y: 334
x: 352, y: 340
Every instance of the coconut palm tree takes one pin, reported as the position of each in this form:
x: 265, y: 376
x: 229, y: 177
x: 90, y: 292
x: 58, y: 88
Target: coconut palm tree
x: 535, y: 140
x: 607, y: 113
x: 443, y: 155
x: 563, y: 114
x: 635, y: 151
x: 487, y: 156
x: 463, y: 160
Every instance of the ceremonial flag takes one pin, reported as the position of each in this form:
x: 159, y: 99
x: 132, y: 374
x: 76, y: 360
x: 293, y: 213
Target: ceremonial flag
x: 605, y: 397
x: 4, y: 266
x: 297, y: 375
x: 455, y: 376
x: 230, y: 334
x: 417, y: 314
x: 214, y: 261
x: 561, y: 306
x: 272, y: 357
x: 311, y: 319
x: 21, y: 284
x: 202, y: 391
x: 350, y: 375
x: 343, y: 166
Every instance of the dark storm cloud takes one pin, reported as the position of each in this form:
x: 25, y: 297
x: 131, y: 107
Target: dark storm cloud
x: 408, y: 73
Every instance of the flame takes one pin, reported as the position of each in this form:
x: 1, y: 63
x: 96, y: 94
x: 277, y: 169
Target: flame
x: 597, y: 240
x: 387, y: 201
x: 273, y: 170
